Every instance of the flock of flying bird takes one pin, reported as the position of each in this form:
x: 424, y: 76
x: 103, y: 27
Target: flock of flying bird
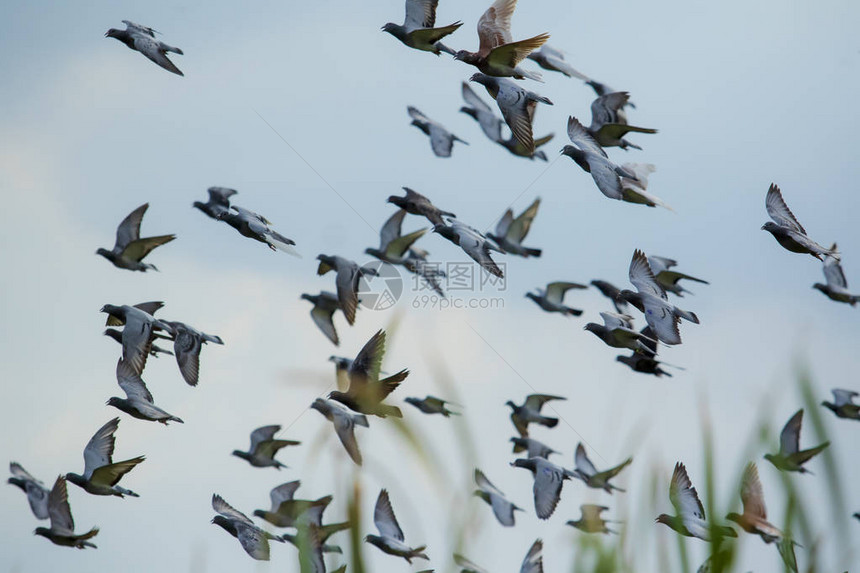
x: 362, y: 392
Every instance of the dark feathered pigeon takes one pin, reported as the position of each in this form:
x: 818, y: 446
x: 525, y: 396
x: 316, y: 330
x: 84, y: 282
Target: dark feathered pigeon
x: 325, y: 304
x: 549, y: 479
x: 432, y: 405
x: 101, y: 473
x: 601, y: 89
x: 529, y: 413
x: 591, y: 520
x: 257, y: 227
x: 843, y: 404
x: 646, y: 363
x: 254, y: 540
x: 390, y: 538
x: 502, y: 508
x: 139, y: 331
x: 62, y: 530
x: 511, y: 231
x: 553, y: 60
x: 609, y: 123
x: 418, y: 29
x: 187, y: 344
x: 667, y: 278
x: 344, y: 422
x: 142, y: 39
x: 416, y: 262
x: 263, y: 448
x: 611, y: 292
x: 473, y: 243
x: 417, y: 204
x: 588, y: 154
x: 393, y: 244
x: 37, y: 493
x: 516, y: 104
x: 552, y: 298
x: 617, y: 331
x: 218, y: 203
x: 532, y: 447
x: 788, y: 231
x: 129, y: 249
x: 441, y: 140
x: 790, y: 457
x: 138, y: 401
x: 836, y: 287
x: 154, y: 350
x: 286, y: 511
x: 586, y: 471
x: 348, y: 275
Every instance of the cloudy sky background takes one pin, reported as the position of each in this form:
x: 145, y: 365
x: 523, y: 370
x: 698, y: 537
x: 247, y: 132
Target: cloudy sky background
x: 742, y: 95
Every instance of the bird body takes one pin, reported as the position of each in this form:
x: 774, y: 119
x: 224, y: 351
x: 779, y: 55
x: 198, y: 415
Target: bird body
x: 502, y: 508
x: 441, y: 140
x: 101, y: 474
x: 129, y: 249
x: 417, y: 204
x: 344, y: 422
x: 263, y: 448
x: 591, y: 157
x: 348, y: 275
x: 62, y: 530
x: 790, y: 457
x: 669, y: 279
x: 218, y: 203
x: 37, y: 493
x: 586, y: 471
x: 843, y: 404
x: 617, y: 331
x: 390, y: 539
x: 690, y: 513
x: 532, y: 447
x: 139, y: 331
x: 325, y: 305
x: 836, y: 287
x: 257, y: 227
x: 142, y: 39
x: 788, y: 231
x: 609, y: 122
x: 432, y: 405
x: 551, y: 298
x: 138, y: 402
x: 591, y: 521
x: 287, y: 511
x: 511, y: 231
x: 553, y: 60
x: 473, y: 243
x: 418, y: 31
x: 517, y: 105
x: 548, y: 481
x: 187, y: 344
x: 529, y: 413
x: 254, y: 540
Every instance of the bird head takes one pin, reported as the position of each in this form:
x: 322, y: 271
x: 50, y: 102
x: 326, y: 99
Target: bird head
x: 114, y: 401
x: 113, y: 33
x: 511, y: 404
x: 570, y: 151
x: 591, y: 326
x: 469, y: 111
x: 821, y: 287
x: 734, y: 517
x: 390, y: 27
x: 770, y: 226
x: 43, y: 531
x: 105, y: 253
x: 664, y: 519
x: 771, y: 458
x: 479, y: 78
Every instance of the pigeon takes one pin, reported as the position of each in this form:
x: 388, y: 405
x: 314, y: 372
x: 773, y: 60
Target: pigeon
x: 37, y: 493
x: 593, y: 159
x: 139, y: 331
x: 390, y: 538
x: 646, y: 363
x: 635, y: 190
x: 187, y: 344
x: 417, y: 204
x: 154, y: 350
x: 529, y: 413
x: 325, y: 304
x: 788, y: 231
x: 344, y: 425
x: 312, y: 520
x: 532, y: 447
x: 366, y: 391
x: 510, y: 231
x: 473, y: 243
x: 129, y: 249
x: 551, y: 299
x: 553, y: 60
x: 263, y: 448
x: 348, y: 276
x: 843, y: 404
x: 62, y: 530
x: 611, y: 292
x: 502, y: 508
x: 480, y: 111
x: 617, y: 331
x: 668, y: 279
x: 516, y: 147
x: 586, y: 471
x: 601, y: 89
x: 689, y: 519
x: 432, y: 405
x: 142, y: 39
x: 652, y: 301
x: 754, y: 517
x: 218, y: 203
x: 549, y: 479
x: 254, y: 540
x: 393, y: 244
x: 441, y: 140
x: 101, y: 474
x: 836, y: 287
x: 286, y: 511
x: 416, y: 263
x: 533, y: 562
x: 418, y: 29
x: 516, y: 104
x: 790, y: 457
x: 257, y: 227
x: 609, y: 123
x: 498, y: 55
x: 467, y: 565
x: 591, y: 521
x: 138, y: 401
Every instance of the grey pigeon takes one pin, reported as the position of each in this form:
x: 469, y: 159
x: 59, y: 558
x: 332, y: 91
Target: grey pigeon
x: 552, y: 298
x: 441, y: 140
x: 593, y: 159
x: 286, y: 510
x: 325, y: 305
x: 667, y: 278
x: 511, y: 231
x: 416, y: 262
x: 101, y: 474
x: 533, y: 562
x: 689, y: 519
x: 609, y: 123
x: 254, y: 540
x: 142, y: 39
x: 636, y: 190
x: 601, y: 89
x: 532, y: 447
x: 591, y: 520
x: 344, y: 422
x: 218, y: 203
x: 467, y: 565
x: 257, y: 227
x: 393, y: 244
x: 473, y: 243
x: 37, y: 493
x: 529, y: 413
x: 418, y: 29
x: 129, y: 249
x: 646, y: 363
x: 788, y: 231
x: 498, y: 54
x: 390, y: 538
x: 310, y: 547
x: 62, y: 530
x: 516, y: 147
x: 139, y: 331
x: 617, y: 331
x: 187, y: 344
x: 138, y: 401
x: 366, y: 391
x: 417, y: 204
x: 154, y: 350
x: 553, y: 60
x: 611, y: 292
x: 502, y: 508
x: 263, y: 448
x: 348, y: 276
x: 432, y: 405
x: 312, y: 519
x: 836, y: 287
x: 843, y: 404
x: 548, y: 481
x: 790, y: 457
x: 652, y: 301
x: 516, y: 104
x: 586, y: 471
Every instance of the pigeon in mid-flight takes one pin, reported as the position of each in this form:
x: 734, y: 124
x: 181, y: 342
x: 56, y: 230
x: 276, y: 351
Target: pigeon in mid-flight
x: 257, y: 227
x: 139, y: 331
x: 586, y: 471
x: 836, y: 287
x: 636, y: 190
x: 154, y: 349
x: 529, y: 413
x: 263, y: 448
x: 393, y: 244
x: 667, y: 278
x: 37, y: 493
x: 553, y: 60
x: 591, y: 157
x: 532, y: 447
x: 142, y: 39
x: 417, y: 204
x: 611, y: 292
x: 609, y: 122
x: 347, y: 281
x: 843, y: 404
x: 432, y: 405
x: 62, y: 530
x: 129, y: 249
x: 790, y: 457
x: 344, y: 422
x: 511, y: 231
x: 418, y: 29
x: 502, y: 508
x: 548, y: 481
x: 473, y: 243
x: 647, y: 363
x: 689, y: 519
x: 533, y: 562
x: 617, y: 331
x: 138, y: 401
x: 390, y: 538
x: 788, y: 231
x: 218, y: 203
x: 516, y: 104
x: 101, y: 474
x: 441, y: 140
x: 255, y: 541
x: 325, y: 305
x: 591, y: 520
x: 286, y: 510
x: 552, y: 298
x: 187, y: 344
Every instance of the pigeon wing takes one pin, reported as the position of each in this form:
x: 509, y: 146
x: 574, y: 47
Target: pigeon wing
x: 642, y: 277
x: 752, y: 495
x: 344, y: 427
x: 555, y: 291
x: 322, y: 317
x: 366, y: 366
x: 683, y: 495
x: 833, y: 271
x: 582, y: 139
x: 583, y: 464
x: 58, y: 508
x: 129, y: 229
x: 494, y: 26
x: 253, y: 541
x: 779, y: 211
x: 110, y: 474
x: 137, y: 250
x: 420, y: 14
x: 512, y: 53
x: 383, y: 518
x: 283, y: 492
x: 789, y: 439
x: 131, y: 382
x: 841, y: 397
x: 263, y: 434
x: 504, y: 223
x: 99, y: 450
x: 227, y: 510
x: 522, y: 224
x: 547, y: 490
x: 533, y: 563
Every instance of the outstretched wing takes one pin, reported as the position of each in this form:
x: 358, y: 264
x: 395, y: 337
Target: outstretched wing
x: 99, y: 449
x: 779, y: 211
x: 383, y: 518
x: 129, y: 229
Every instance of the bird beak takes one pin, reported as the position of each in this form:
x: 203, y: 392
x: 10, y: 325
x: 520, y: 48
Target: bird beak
x: 762, y: 228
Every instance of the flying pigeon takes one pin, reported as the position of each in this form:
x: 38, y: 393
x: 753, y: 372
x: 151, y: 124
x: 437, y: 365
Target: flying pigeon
x: 417, y: 204
x: 551, y: 299
x: 591, y: 157
x: 348, y: 276
x: 516, y: 147
x: 647, y: 363
x: 390, y: 538
x: 516, y: 104
x: 142, y: 39
x: 62, y: 530
x: 37, y: 493
x: 254, y: 540
x: 418, y: 29
x: 668, y: 279
x: 788, y: 231
x: 617, y: 331
x: 689, y: 519
x: 601, y: 89
x: 611, y: 292
x: 549, y: 479
x: 836, y: 287
x: 154, y: 350
x: 481, y: 112
x: 467, y: 565
x: 790, y: 457
x: 533, y: 562
x: 101, y: 474
x: 263, y: 448
x: 511, y: 231
x: 139, y: 331
x: 218, y: 203
x: 344, y: 423
x: 553, y: 60
x: 441, y: 140
x: 325, y: 305
x: 586, y: 471
x: 393, y: 244
x: 257, y: 227
x: 432, y: 405
x: 129, y: 249
x: 843, y: 404
x: 609, y: 122
x: 529, y: 413
x: 498, y: 55
x: 473, y: 243
x: 286, y: 511
x: 636, y: 190
x: 502, y: 508
x: 591, y: 521
x: 187, y: 344
x: 138, y: 401
x: 416, y: 262
x: 532, y: 447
